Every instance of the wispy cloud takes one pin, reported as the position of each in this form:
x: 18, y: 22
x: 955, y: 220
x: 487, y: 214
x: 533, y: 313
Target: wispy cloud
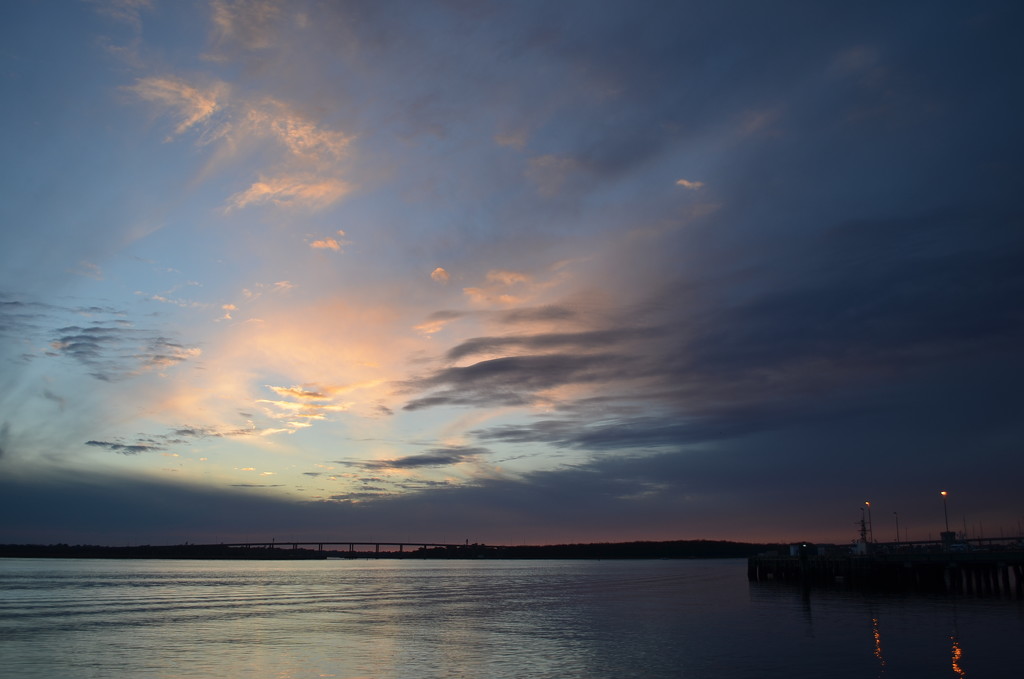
x: 436, y: 457
x: 306, y: 172
x: 249, y: 23
x: 304, y: 190
x: 191, y: 105
x: 118, y: 350
x: 124, y: 448
x: 302, y: 137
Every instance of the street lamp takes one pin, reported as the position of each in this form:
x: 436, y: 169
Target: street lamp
x: 871, y: 532
x: 897, y: 526
x: 945, y: 510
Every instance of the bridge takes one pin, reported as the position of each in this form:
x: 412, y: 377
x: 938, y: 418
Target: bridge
x: 319, y: 546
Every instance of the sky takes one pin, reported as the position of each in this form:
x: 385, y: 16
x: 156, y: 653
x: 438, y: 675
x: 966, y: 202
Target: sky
x: 510, y: 272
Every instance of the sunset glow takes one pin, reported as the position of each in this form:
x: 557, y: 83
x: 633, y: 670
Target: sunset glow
x: 514, y: 271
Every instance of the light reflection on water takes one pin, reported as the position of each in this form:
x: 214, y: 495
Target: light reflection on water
x: 399, y: 619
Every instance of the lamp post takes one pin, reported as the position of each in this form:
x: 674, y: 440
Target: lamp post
x: 897, y: 526
x: 871, y: 534
x: 945, y: 510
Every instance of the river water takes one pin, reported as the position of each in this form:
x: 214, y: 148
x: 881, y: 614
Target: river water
x: 391, y: 619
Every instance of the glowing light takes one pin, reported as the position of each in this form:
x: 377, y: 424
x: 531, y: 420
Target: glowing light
x: 877, y: 635
x: 957, y: 654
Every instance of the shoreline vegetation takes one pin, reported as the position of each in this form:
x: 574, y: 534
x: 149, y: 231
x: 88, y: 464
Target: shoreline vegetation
x: 674, y: 549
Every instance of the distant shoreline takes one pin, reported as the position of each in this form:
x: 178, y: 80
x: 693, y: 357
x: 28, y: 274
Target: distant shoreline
x: 674, y: 549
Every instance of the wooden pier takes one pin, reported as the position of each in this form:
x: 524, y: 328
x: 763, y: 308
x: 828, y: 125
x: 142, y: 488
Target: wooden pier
x: 989, y: 573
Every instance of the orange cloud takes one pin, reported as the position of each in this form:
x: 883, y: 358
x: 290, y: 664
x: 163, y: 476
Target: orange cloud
x: 307, y: 191
x: 301, y: 136
x: 330, y: 243
x: 192, y: 105
x: 326, y: 244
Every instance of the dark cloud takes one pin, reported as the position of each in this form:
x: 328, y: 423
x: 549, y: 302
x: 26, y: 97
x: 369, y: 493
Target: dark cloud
x: 632, y: 433
x: 436, y: 457
x: 111, y: 349
x: 203, y: 432
x: 124, y: 448
x: 422, y: 484
x: 516, y: 379
x: 50, y: 396
x: 575, y: 342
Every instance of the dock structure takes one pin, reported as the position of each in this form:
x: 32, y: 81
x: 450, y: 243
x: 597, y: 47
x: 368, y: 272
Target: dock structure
x: 983, y: 573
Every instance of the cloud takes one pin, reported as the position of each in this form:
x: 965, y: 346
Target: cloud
x: 439, y: 275
x: 691, y: 185
x: 623, y: 432
x: 550, y: 312
x: 304, y: 190
x: 326, y: 244
x: 178, y: 302
x: 192, y: 105
x: 123, y: 448
x: 161, y: 353
x: 516, y: 380
x: 260, y: 289
x: 116, y: 350
x: 301, y: 393
x: 311, y: 403
x: 506, y: 288
x: 304, y: 139
x: 330, y: 243
x: 306, y: 171
x: 204, y: 432
x: 251, y: 24
x: 577, y: 342
x: 437, y: 457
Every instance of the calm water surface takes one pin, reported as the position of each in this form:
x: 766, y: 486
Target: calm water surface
x: 488, y: 619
